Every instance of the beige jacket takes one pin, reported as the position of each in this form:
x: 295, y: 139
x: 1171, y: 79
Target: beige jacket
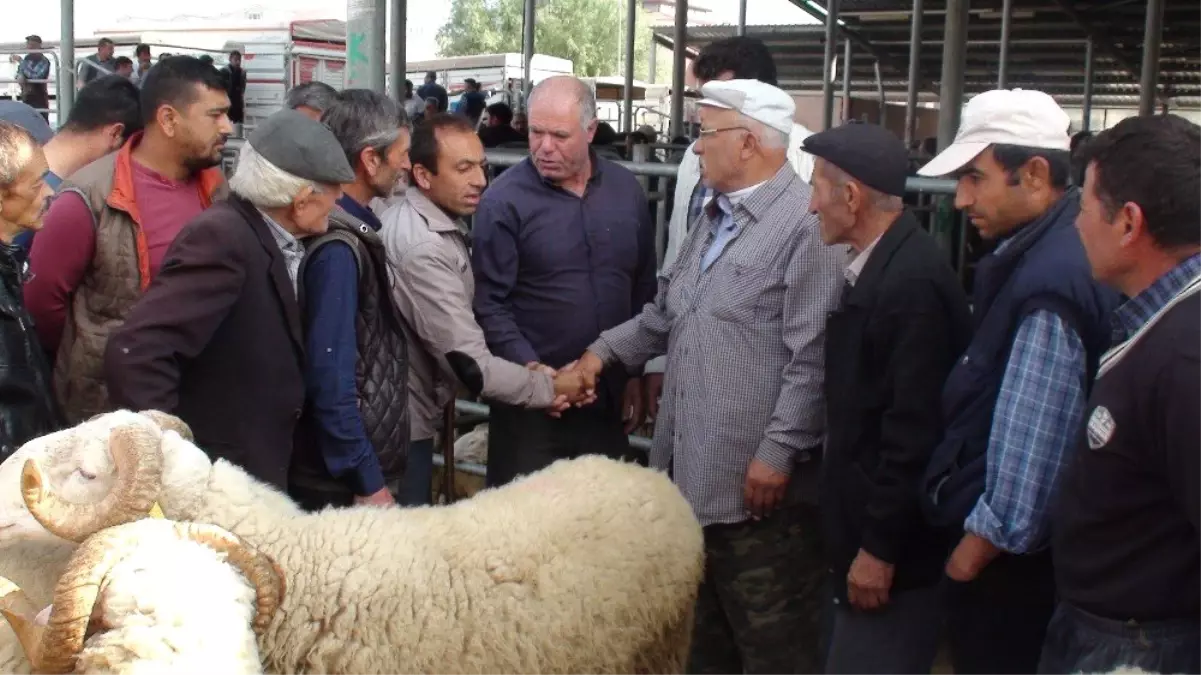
x: 429, y: 268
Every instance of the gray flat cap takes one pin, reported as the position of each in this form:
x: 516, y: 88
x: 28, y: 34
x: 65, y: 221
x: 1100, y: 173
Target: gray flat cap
x: 303, y: 147
x: 24, y: 116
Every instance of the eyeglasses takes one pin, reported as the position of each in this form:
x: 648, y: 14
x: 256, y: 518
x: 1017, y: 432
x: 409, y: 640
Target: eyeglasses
x: 704, y: 133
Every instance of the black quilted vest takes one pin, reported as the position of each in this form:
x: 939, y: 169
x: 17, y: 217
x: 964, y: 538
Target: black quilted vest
x: 382, y: 371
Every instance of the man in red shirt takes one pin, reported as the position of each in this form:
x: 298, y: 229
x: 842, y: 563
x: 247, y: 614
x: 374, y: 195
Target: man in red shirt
x: 106, y: 234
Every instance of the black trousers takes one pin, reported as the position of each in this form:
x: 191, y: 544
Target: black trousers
x: 997, y: 622
x: 523, y: 441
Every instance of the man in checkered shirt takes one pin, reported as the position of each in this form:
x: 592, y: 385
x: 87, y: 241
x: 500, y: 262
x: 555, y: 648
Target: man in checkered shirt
x: 741, y: 315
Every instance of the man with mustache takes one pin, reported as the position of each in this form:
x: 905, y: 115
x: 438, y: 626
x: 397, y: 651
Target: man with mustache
x: 432, y: 284
x: 107, y: 232
x: 1013, y: 404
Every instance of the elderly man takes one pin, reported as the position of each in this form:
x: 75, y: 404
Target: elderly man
x: 1126, y: 528
x: 311, y: 98
x: 741, y: 315
x: 430, y: 269
x: 1013, y: 404
x: 27, y: 405
x: 563, y: 249
x: 732, y: 58
x: 901, y: 324
x: 356, y: 438
x: 108, y: 230
x: 217, y: 338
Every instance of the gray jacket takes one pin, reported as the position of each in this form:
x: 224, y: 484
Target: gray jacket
x: 429, y: 268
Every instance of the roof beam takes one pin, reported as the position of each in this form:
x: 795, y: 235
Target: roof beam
x: 885, y: 57
x: 1102, y: 40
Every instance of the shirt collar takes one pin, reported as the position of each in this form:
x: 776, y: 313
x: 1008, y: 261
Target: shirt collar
x: 353, y: 207
x: 283, y: 238
x: 593, y: 159
x: 1136, y: 311
x: 859, y: 261
x: 437, y: 219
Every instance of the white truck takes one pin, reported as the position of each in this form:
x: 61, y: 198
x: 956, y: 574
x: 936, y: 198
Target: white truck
x: 500, y: 75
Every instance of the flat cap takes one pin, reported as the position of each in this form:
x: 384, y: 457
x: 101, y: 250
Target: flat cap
x: 24, y: 116
x: 757, y: 100
x: 303, y: 147
x: 870, y: 153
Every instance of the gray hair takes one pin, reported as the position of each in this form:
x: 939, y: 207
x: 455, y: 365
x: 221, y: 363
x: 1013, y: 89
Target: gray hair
x: 769, y: 137
x: 263, y: 184
x: 316, y: 95
x: 16, y: 152
x: 583, y: 94
x: 878, y: 200
x: 361, y: 119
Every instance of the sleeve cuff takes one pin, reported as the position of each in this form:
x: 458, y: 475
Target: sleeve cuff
x: 985, y: 524
x: 656, y: 365
x: 367, y: 478
x: 879, y: 545
x: 603, y: 351
x: 778, y: 457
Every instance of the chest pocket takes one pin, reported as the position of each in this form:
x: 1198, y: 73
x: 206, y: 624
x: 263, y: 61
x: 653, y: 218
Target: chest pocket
x: 747, y: 284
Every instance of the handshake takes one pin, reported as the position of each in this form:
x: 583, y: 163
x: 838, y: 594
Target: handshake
x: 575, y: 383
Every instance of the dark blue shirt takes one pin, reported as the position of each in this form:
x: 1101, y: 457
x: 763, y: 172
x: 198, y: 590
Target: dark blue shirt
x: 25, y: 239
x: 331, y: 297
x: 553, y: 270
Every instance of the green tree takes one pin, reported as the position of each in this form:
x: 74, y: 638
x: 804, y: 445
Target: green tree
x: 589, y: 32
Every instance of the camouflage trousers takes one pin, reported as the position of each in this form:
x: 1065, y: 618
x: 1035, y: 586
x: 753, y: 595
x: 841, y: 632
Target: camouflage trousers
x: 760, y: 603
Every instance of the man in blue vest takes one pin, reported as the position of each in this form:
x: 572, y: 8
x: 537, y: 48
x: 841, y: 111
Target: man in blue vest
x: 1013, y: 404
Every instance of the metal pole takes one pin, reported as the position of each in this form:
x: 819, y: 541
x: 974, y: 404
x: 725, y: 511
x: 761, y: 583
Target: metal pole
x: 880, y: 95
x: 1088, y: 85
x: 527, y: 51
x: 846, y: 81
x: 950, y: 88
x: 397, y: 56
x: 827, y: 68
x: 631, y: 20
x: 742, y: 17
x: 652, y: 57
x: 1003, y: 66
x: 679, y: 41
x: 64, y: 87
x: 366, y: 43
x: 915, y: 65
x: 1152, y: 32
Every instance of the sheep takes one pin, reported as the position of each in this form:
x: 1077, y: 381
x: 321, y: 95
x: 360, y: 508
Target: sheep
x: 164, y: 596
x: 591, y: 565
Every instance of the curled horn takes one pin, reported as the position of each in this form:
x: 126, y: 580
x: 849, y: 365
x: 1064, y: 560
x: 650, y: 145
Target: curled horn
x: 169, y: 423
x: 139, y: 462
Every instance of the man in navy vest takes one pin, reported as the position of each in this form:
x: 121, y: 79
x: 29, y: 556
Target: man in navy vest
x: 1014, y: 401
x: 1127, y: 552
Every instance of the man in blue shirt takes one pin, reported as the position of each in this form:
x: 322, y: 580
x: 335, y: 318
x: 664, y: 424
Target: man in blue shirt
x: 563, y: 249
x: 354, y: 446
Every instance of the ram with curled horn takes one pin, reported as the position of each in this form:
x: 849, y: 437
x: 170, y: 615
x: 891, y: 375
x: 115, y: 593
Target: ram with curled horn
x: 135, y: 569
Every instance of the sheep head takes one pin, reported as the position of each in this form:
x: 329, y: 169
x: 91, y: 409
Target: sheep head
x: 54, y: 647
x: 105, y: 471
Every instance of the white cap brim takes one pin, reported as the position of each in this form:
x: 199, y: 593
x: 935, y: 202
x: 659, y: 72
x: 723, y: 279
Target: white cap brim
x: 714, y: 103
x: 954, y: 158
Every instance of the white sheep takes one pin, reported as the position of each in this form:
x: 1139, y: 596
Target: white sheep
x: 590, y: 565
x: 152, y: 596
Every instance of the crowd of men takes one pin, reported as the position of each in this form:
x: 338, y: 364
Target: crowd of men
x: 881, y: 463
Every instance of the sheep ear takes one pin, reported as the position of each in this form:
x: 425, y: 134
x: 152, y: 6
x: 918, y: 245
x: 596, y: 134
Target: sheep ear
x: 169, y: 423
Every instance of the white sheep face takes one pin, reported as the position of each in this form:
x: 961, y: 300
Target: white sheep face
x: 78, y: 466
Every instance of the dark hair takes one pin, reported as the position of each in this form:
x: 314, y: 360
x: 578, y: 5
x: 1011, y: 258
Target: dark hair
x: 1153, y: 161
x: 1013, y: 157
x: 122, y: 61
x: 1079, y: 140
x: 316, y: 95
x: 408, y: 84
x: 172, y: 81
x: 111, y: 99
x: 205, y: 59
x: 748, y: 58
x: 361, y: 119
x: 235, y: 53
x: 104, y: 42
x: 500, y: 111
x: 424, y: 148
x: 141, y: 49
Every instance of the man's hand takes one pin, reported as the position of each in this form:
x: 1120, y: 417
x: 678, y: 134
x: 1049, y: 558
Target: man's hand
x: 869, y: 581
x: 576, y: 385
x: 652, y: 389
x: 380, y: 498
x: 560, y: 403
x: 633, y: 412
x: 764, y: 489
x: 970, y: 557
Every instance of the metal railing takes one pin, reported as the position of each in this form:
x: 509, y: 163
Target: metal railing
x: 55, y: 70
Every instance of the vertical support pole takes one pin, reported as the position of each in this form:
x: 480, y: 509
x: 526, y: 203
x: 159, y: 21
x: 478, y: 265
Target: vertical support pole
x: 396, y: 55
x: 1003, y: 57
x: 366, y: 48
x: 950, y: 89
x: 631, y: 20
x: 846, y: 82
x: 742, y: 17
x: 828, y: 65
x: 527, y: 51
x: 881, y: 95
x: 1152, y: 32
x: 915, y: 66
x: 64, y: 86
x: 652, y: 66
x: 679, y: 41
x: 1087, y: 103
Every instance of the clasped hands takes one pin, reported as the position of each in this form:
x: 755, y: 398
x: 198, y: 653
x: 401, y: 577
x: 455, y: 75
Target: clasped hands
x: 573, y: 386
